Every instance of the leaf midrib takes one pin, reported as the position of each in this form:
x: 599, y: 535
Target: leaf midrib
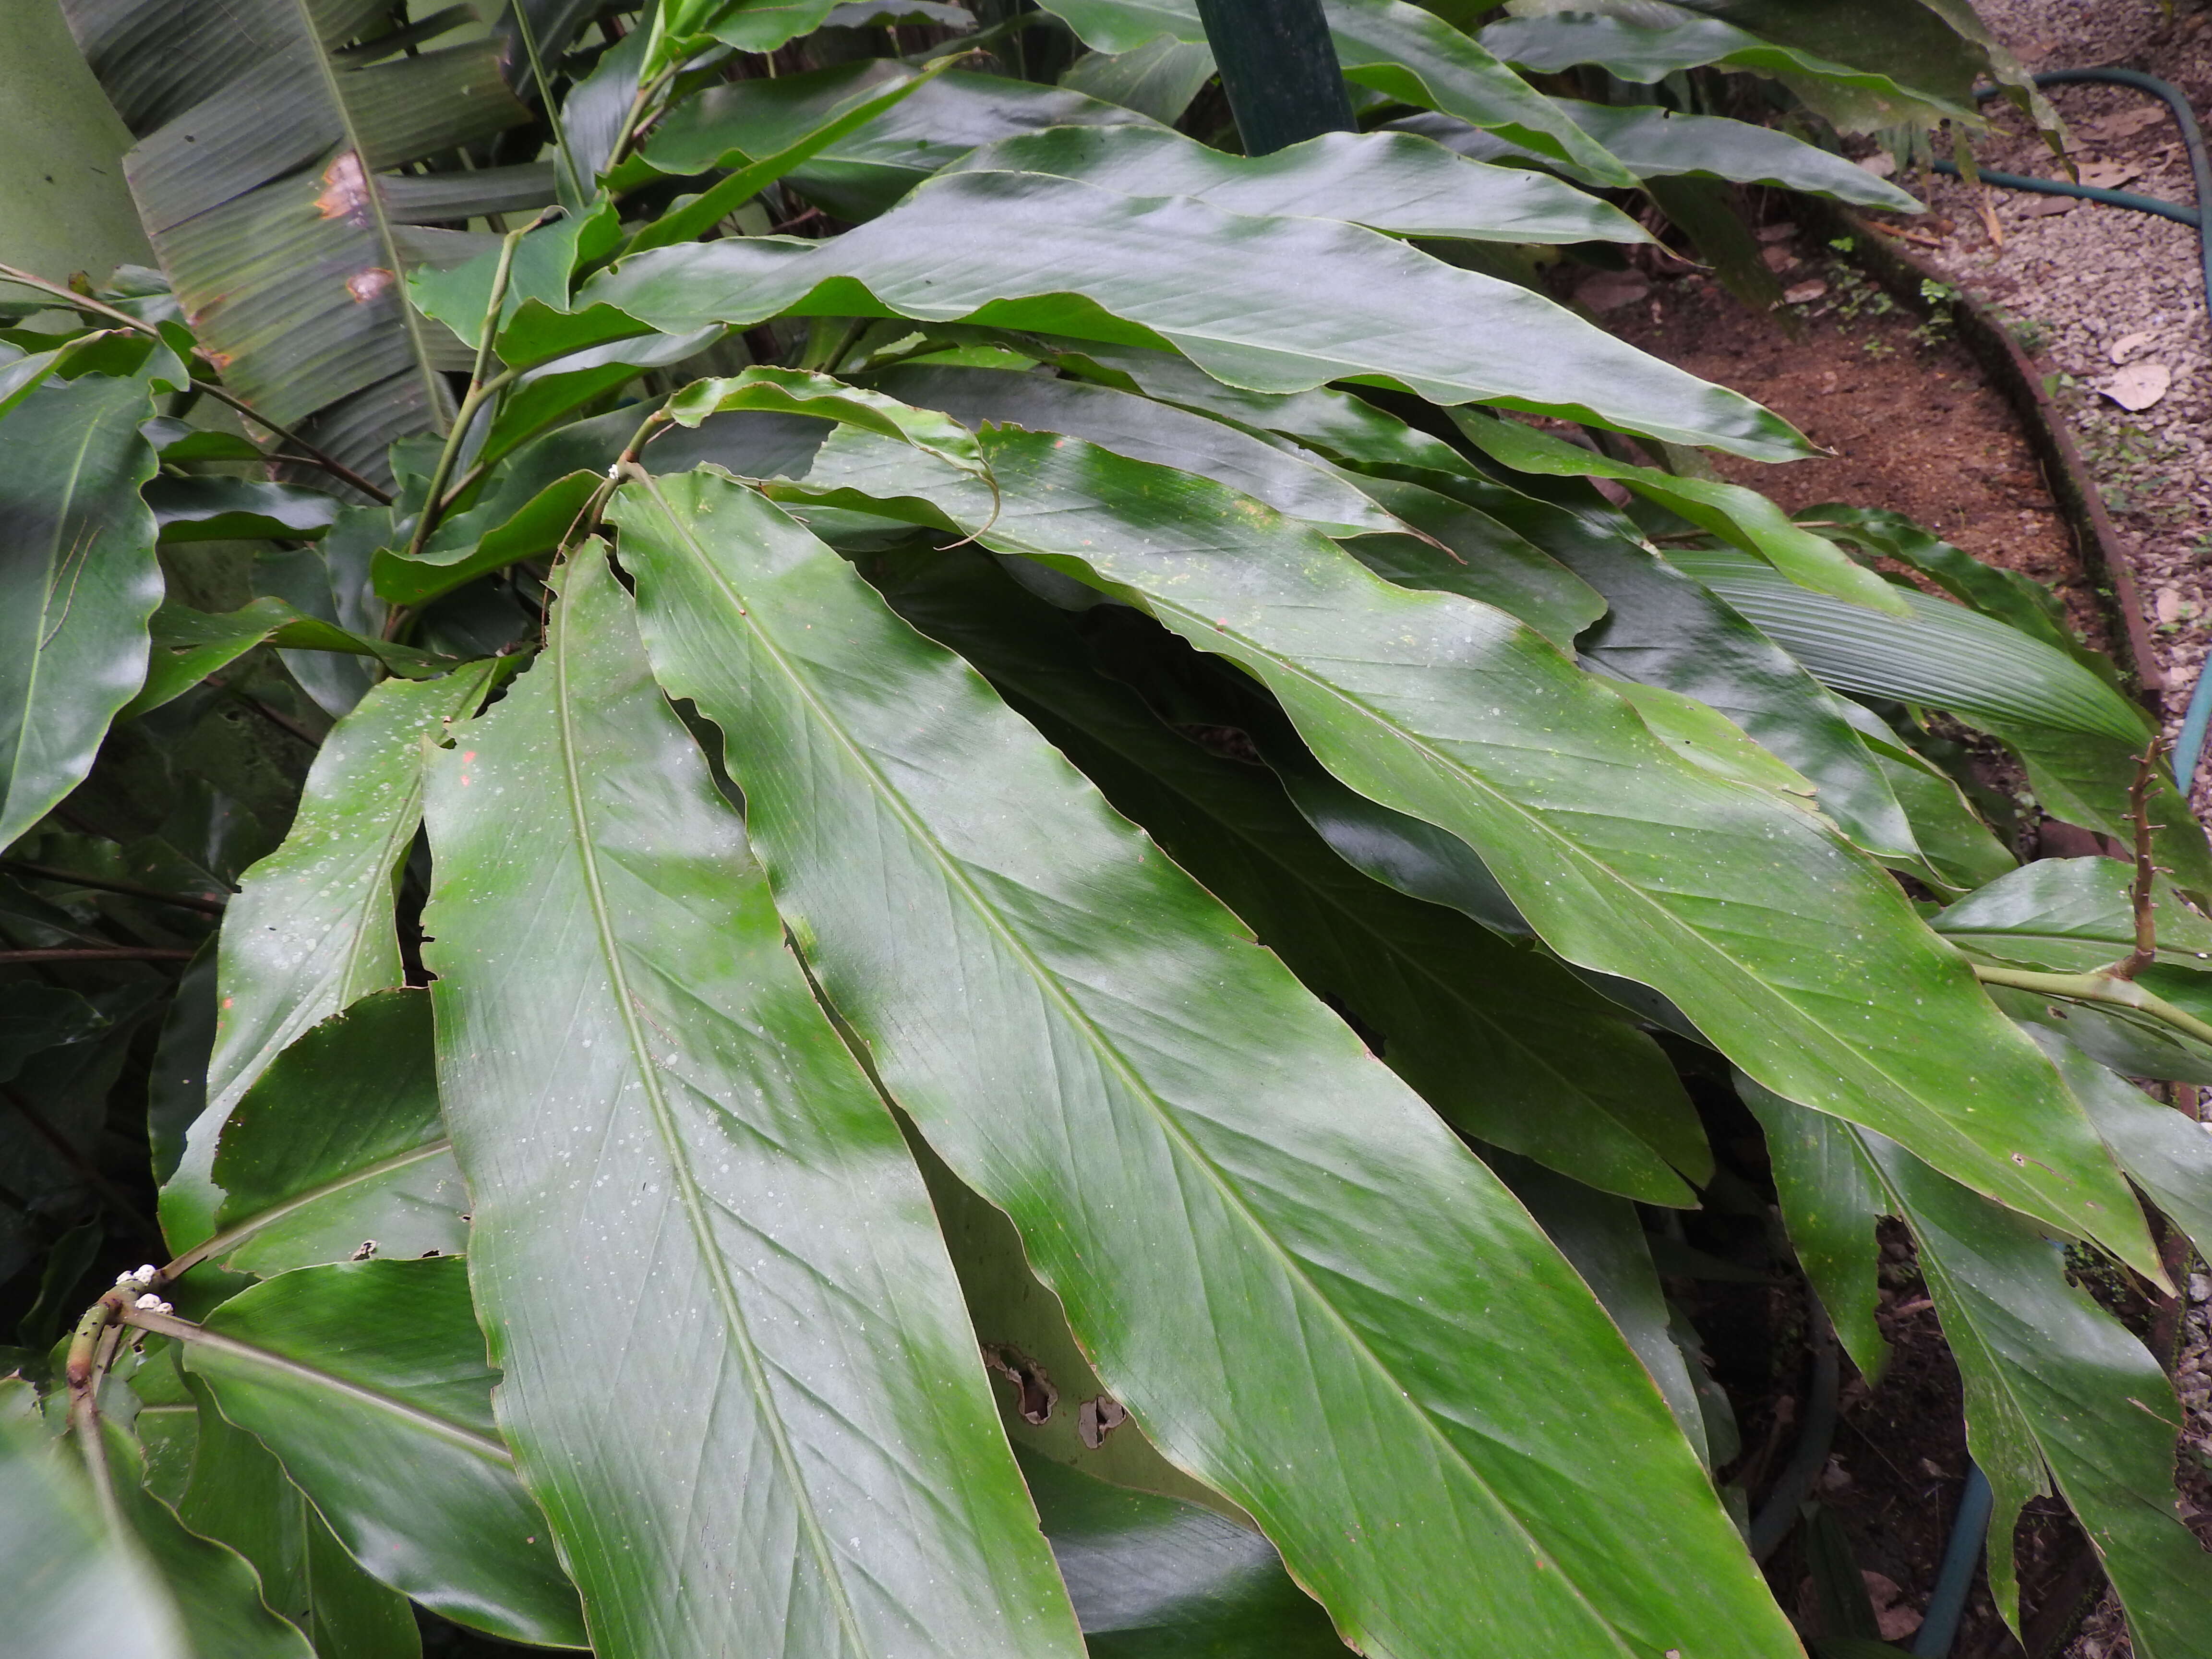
x: 1114, y: 1060
x: 232, y: 1236
x: 681, y: 1178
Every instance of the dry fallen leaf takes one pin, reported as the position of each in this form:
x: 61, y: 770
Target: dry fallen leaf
x: 2138, y: 385
x: 1609, y: 290
x: 2128, y: 346
x: 1803, y: 293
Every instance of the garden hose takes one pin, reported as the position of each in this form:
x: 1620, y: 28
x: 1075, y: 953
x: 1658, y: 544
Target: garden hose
x: 2189, y: 751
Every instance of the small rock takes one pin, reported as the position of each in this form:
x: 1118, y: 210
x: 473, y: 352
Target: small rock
x: 1609, y: 290
x: 2128, y: 345
x: 2138, y: 385
x: 1881, y: 163
x: 2200, y: 1287
x: 2044, y: 207
x: 1835, y: 1477
x: 1803, y: 293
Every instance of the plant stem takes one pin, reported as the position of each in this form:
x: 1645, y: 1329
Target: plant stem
x: 102, y: 953
x: 433, y: 498
x: 2140, y: 891
x: 2100, y: 986
x: 329, y: 464
x: 110, y: 1194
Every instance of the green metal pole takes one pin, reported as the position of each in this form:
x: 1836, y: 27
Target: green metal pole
x: 1278, y: 67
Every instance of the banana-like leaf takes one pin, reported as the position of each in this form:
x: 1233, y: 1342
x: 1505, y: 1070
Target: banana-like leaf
x: 858, y: 169
x: 78, y: 581
x: 367, y: 1381
x: 1410, y: 54
x: 1658, y: 143
x: 1505, y: 1043
x: 260, y: 183
x: 1388, y: 181
x: 1162, y: 1578
x: 2079, y: 739
x: 338, y: 1152
x: 1158, y: 79
x: 214, y: 509
x: 311, y: 929
x: 1449, y: 711
x: 1729, y: 511
x: 1310, y: 301
x: 1024, y: 969
x: 238, y: 1495
x: 2058, y: 1394
x: 2164, y: 1151
x: 1137, y: 427
x: 1631, y: 51
x: 638, y: 1081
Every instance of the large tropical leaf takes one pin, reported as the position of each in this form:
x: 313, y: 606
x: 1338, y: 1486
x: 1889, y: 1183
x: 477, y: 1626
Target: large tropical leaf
x: 2080, y: 741
x: 367, y: 1381
x: 266, y: 130
x: 1449, y: 711
x: 1272, y: 304
x: 78, y: 581
x: 639, y: 1087
x: 311, y: 929
x: 2058, y: 1394
x: 1505, y: 1043
x: 1388, y: 181
x: 1298, y: 1282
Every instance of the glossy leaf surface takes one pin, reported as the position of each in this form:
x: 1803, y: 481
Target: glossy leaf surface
x: 1505, y: 1044
x: 1451, y: 712
x: 338, y: 1150
x: 1390, y: 181
x: 311, y: 929
x: 367, y: 1381
x: 2070, y: 915
x: 1276, y: 305
x: 2165, y: 1151
x: 962, y: 928
x: 78, y: 582
x: 637, y: 1079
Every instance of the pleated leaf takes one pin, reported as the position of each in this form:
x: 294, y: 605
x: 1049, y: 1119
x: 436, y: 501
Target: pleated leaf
x: 2059, y: 1396
x: 640, y: 1089
x: 367, y: 1381
x: 1271, y: 304
x: 1300, y: 1286
x: 1451, y: 712
x: 78, y: 582
x: 1505, y: 1043
x: 311, y: 929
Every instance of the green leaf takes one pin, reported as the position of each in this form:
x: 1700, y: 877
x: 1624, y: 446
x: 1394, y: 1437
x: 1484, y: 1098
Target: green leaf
x: 338, y: 1150
x: 796, y: 391
x: 1158, y: 79
x: 2167, y: 1152
x: 311, y: 928
x: 187, y: 645
x: 1830, y: 1204
x: 2070, y: 915
x: 639, y: 1084
x: 78, y: 581
x: 239, y: 1495
x: 2079, y: 739
x: 2058, y: 1394
x: 1505, y: 1043
x: 367, y: 1381
x: 263, y: 192
x: 868, y: 100
x: 1729, y: 511
x: 1448, y: 711
x: 214, y: 509
x: 1274, y: 305
x: 1630, y: 51
x: 1140, y: 428
x: 542, y: 397
x: 1024, y: 969
x: 1388, y: 181
x: 914, y: 127
x: 1161, y: 1578
x: 1658, y: 143
x: 1410, y: 54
